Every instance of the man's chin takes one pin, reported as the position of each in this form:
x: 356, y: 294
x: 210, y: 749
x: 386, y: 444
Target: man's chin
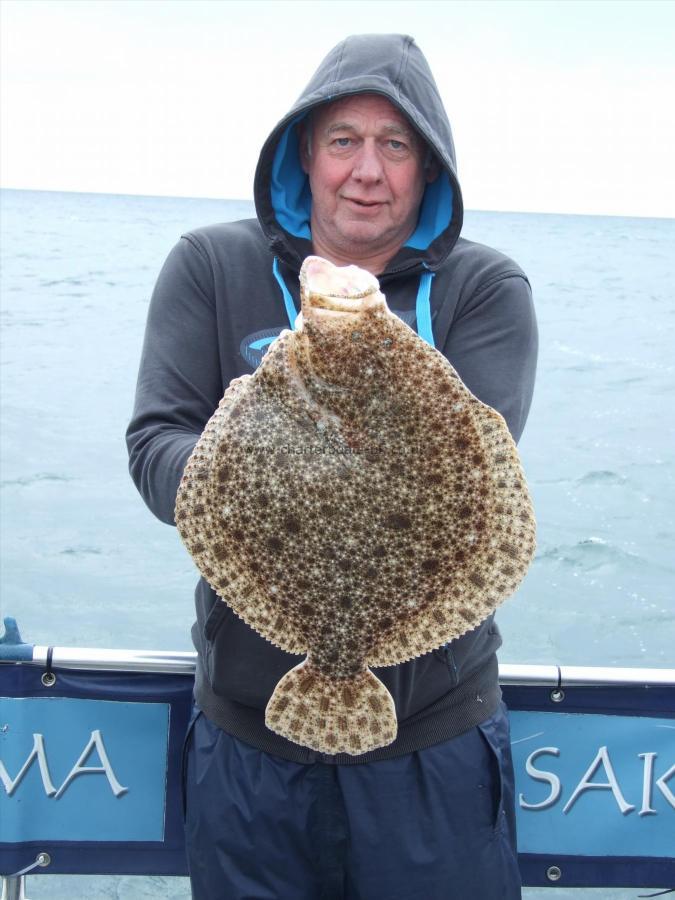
x: 366, y: 234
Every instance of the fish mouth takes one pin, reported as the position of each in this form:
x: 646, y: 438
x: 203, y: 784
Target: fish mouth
x: 335, y: 289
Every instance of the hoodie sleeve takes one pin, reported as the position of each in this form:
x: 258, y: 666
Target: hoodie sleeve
x: 493, y: 345
x: 179, y: 381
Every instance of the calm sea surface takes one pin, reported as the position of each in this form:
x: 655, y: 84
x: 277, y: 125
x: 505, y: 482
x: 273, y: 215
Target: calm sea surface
x: 85, y: 563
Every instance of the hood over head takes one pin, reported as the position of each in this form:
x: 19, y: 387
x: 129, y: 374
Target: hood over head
x: 391, y: 65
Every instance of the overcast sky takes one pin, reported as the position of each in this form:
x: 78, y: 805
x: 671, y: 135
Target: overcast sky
x: 555, y: 106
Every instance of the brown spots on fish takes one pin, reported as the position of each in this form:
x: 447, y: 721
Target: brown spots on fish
x: 477, y: 580
x: 292, y: 525
x: 347, y: 696
x: 398, y: 521
x: 509, y: 549
x: 324, y: 704
x: 274, y: 544
x: 375, y: 703
x: 430, y: 565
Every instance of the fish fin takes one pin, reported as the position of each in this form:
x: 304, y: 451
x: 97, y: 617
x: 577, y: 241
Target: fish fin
x: 331, y: 715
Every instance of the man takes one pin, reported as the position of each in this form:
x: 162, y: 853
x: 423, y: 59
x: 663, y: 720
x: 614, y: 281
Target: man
x: 360, y: 171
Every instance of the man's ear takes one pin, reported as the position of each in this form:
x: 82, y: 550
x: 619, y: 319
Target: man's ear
x: 432, y: 170
x: 303, y: 144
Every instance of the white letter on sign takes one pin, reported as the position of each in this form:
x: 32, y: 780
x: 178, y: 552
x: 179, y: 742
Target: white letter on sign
x: 106, y: 769
x: 647, y: 784
x: 38, y: 752
x: 612, y: 784
x: 540, y: 775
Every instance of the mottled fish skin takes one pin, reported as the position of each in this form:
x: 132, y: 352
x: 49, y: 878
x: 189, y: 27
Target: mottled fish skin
x: 353, y: 501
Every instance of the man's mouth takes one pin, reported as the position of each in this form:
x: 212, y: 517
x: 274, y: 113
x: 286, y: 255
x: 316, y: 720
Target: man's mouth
x: 365, y: 204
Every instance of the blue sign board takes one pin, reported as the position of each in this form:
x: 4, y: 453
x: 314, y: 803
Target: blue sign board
x: 90, y: 771
x: 594, y: 785
x: 82, y: 769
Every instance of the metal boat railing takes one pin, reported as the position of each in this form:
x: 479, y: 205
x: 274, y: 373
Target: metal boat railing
x: 183, y: 662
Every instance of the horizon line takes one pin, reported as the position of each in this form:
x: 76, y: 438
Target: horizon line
x: 529, y: 212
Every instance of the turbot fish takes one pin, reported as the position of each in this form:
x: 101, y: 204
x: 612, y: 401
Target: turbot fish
x: 352, y: 501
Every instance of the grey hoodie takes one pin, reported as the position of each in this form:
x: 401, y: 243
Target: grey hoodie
x: 226, y: 291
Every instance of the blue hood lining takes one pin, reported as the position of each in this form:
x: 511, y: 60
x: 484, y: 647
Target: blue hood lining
x: 292, y: 199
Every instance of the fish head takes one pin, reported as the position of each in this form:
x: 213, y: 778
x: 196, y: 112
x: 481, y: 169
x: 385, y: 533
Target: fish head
x: 345, y: 322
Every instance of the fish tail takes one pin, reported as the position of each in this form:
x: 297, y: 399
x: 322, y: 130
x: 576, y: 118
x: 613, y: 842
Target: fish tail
x: 331, y: 715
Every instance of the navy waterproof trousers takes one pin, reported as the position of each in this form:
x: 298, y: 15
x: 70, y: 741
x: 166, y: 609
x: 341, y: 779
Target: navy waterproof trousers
x: 436, y: 824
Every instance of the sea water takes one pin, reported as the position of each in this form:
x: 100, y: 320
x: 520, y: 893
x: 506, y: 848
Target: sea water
x: 84, y: 563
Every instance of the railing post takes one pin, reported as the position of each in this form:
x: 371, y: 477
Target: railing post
x: 14, y: 887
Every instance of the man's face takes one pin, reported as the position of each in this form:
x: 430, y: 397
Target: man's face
x: 367, y: 177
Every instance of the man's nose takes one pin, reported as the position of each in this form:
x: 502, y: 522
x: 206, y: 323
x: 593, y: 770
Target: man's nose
x: 367, y: 164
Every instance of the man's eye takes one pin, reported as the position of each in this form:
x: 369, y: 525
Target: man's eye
x: 343, y: 141
x: 396, y: 145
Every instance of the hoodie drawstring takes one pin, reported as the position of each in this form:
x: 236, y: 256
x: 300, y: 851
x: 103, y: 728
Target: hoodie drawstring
x: 423, y: 308
x: 422, y: 303
x: 288, y: 300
